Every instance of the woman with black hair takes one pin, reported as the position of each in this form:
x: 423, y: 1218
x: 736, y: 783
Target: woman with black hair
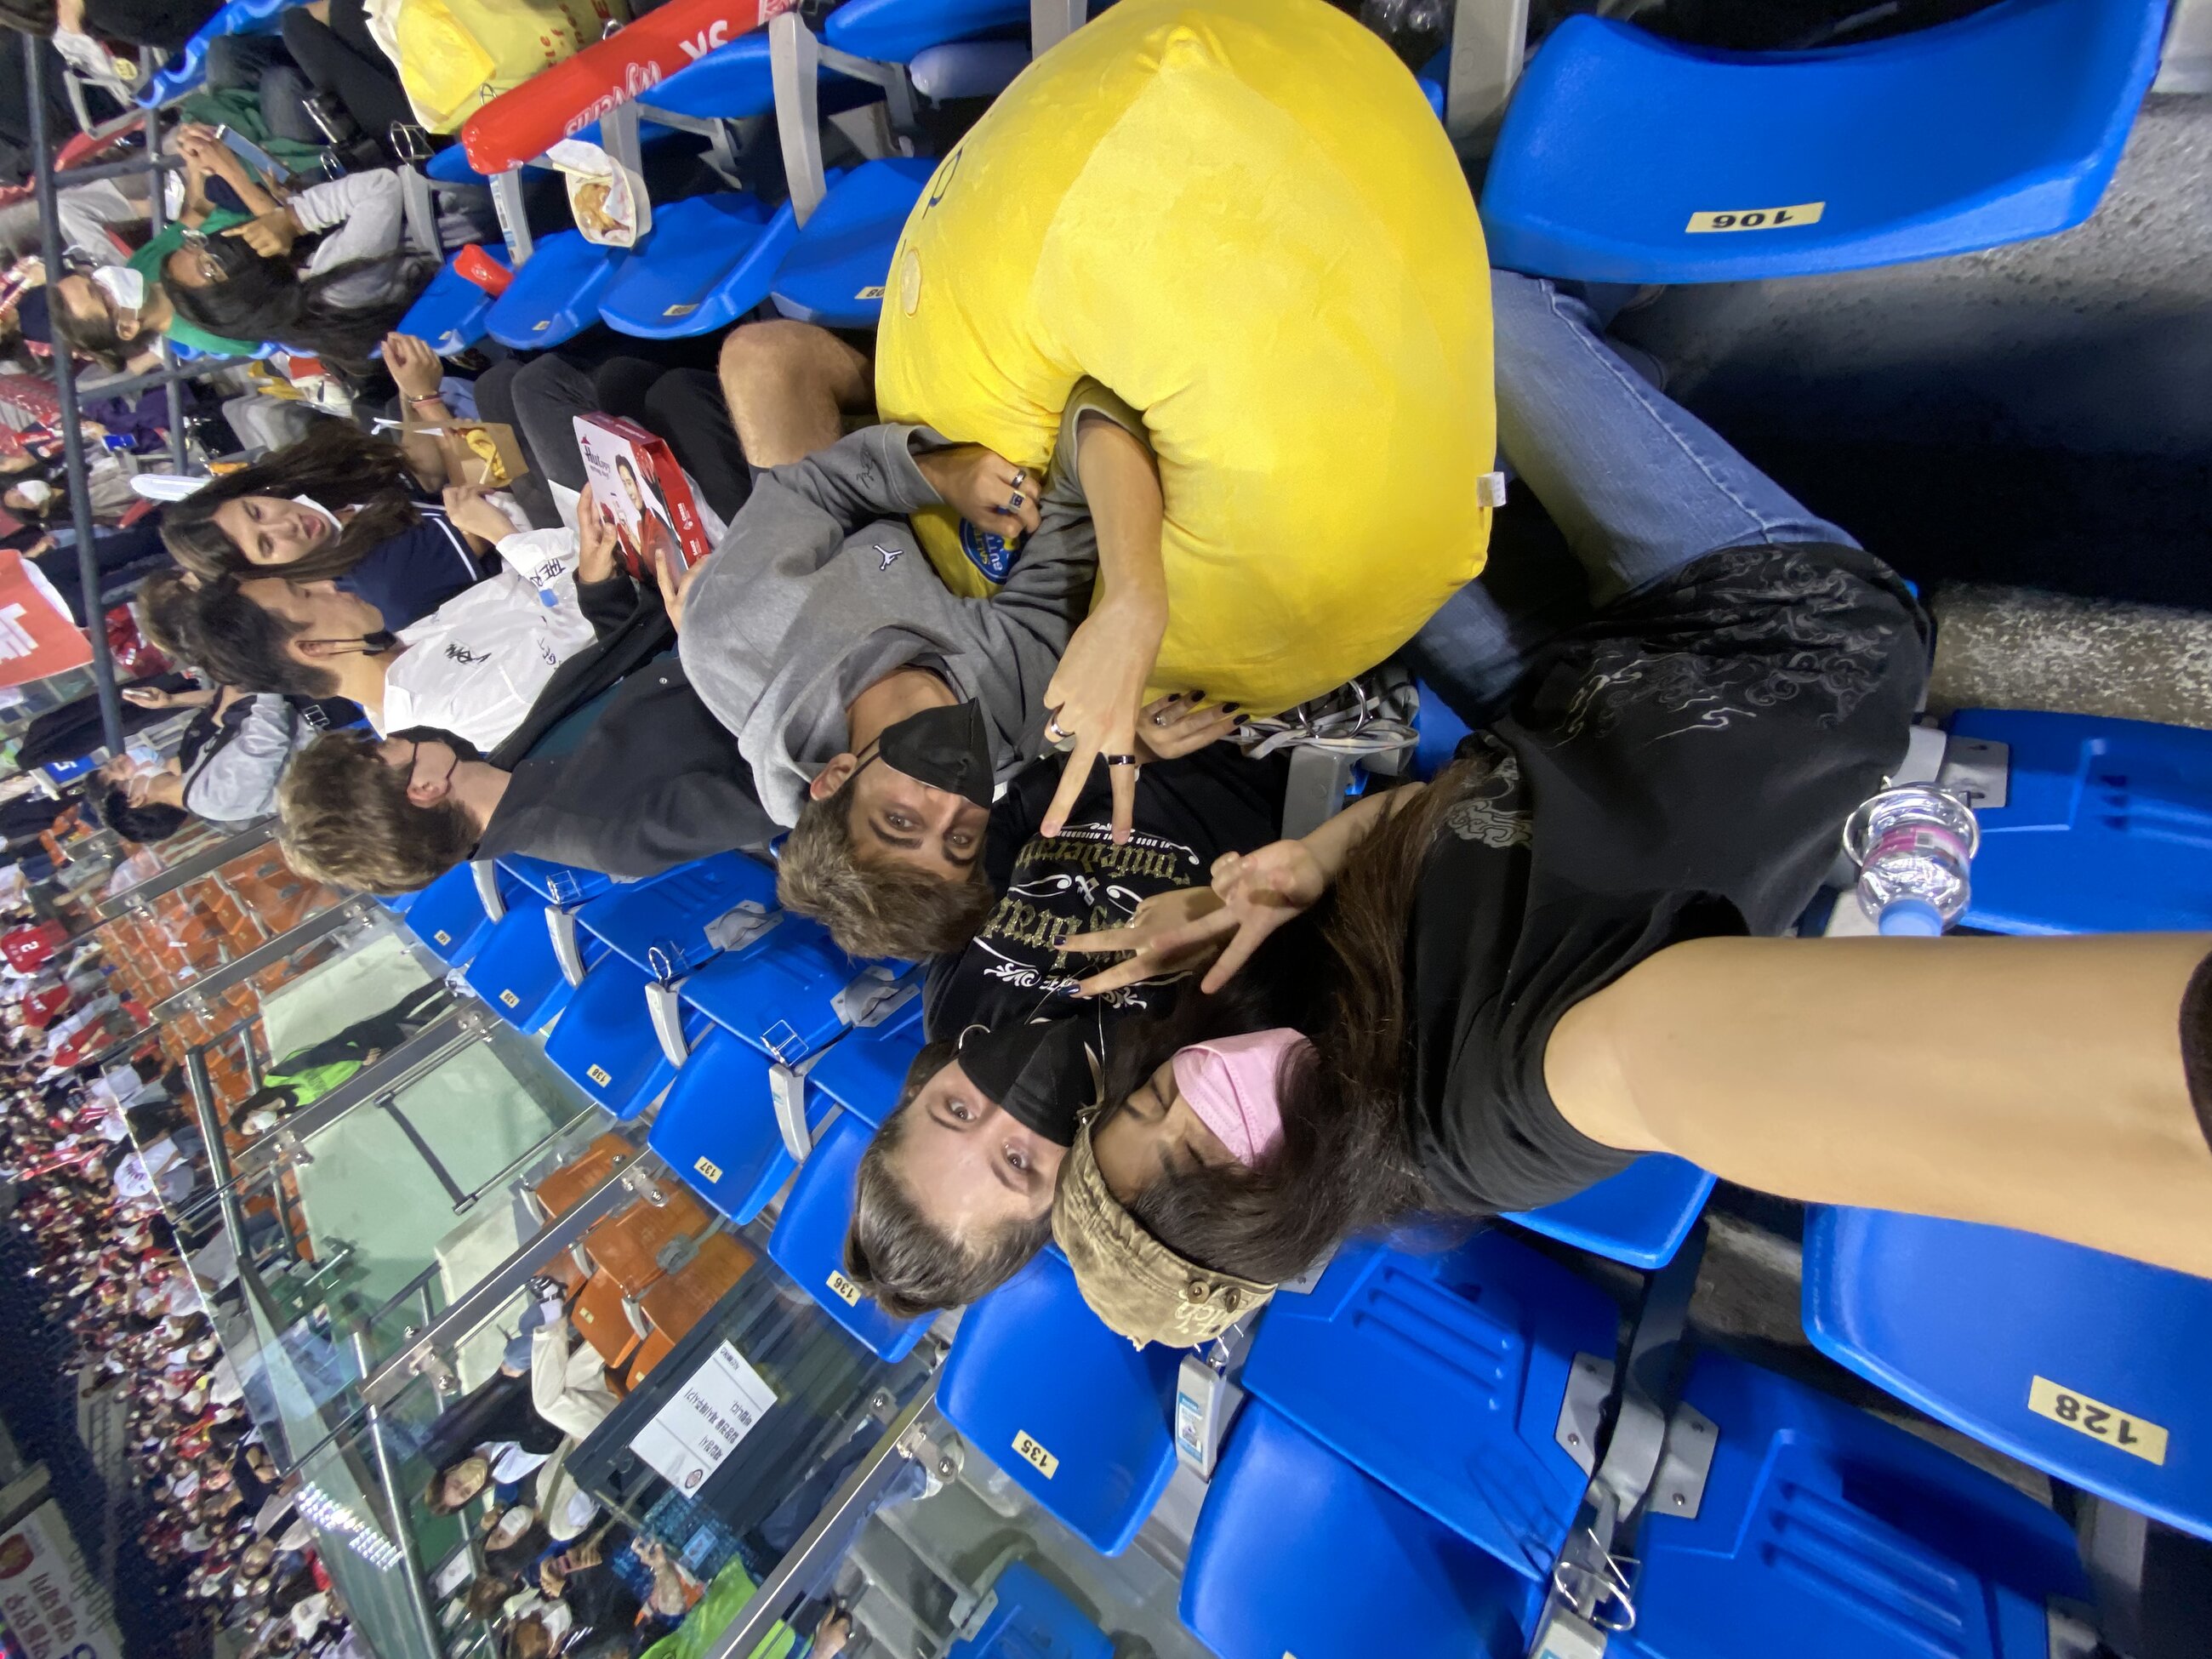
x: 337, y: 506
x: 1570, y: 949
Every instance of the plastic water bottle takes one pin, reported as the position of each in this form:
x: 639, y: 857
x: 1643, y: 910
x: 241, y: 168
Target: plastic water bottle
x: 1912, y: 845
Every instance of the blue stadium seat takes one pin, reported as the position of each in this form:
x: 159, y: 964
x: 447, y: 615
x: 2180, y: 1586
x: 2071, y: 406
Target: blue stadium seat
x: 449, y: 917
x: 1030, y: 1618
x: 809, y: 1241
x: 1476, y: 1344
x: 400, y: 903
x: 718, y: 1129
x: 2089, y: 1366
x: 779, y: 994
x: 833, y: 274
x: 1297, y: 1552
x: 556, y: 883
x: 1437, y: 734
x: 605, y: 1041
x: 185, y: 71
x: 1433, y: 78
x: 866, y: 1071
x: 894, y: 31
x: 1640, y: 1216
x: 2106, y: 826
x: 450, y: 166
x: 1079, y: 1419
x: 733, y: 83
x: 660, y: 925
x: 449, y: 313
x: 1824, y: 1533
x: 515, y: 971
x: 708, y: 261
x: 556, y: 293
x: 1626, y: 157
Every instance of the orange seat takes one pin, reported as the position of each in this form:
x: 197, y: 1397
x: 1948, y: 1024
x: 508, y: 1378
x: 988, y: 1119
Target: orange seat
x: 675, y: 1302
x: 629, y: 1245
x: 561, y: 1191
x: 601, y: 1321
x: 650, y: 1352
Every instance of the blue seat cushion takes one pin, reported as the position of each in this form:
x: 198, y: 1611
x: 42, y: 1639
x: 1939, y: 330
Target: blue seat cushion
x: 1625, y: 157
x: 893, y: 31
x: 1076, y: 1417
x: 778, y: 994
x: 734, y: 82
x: 557, y: 884
x: 709, y: 260
x: 449, y: 312
x: 809, y: 1241
x: 866, y: 1071
x: 833, y: 276
x: 605, y: 1041
x: 1298, y: 1551
x: 2106, y: 827
x: 1824, y: 1533
x: 448, y: 916
x: 1474, y: 1345
x: 661, y: 925
x: 516, y: 972
x: 554, y: 295
x: 1033, y: 1618
x: 717, y: 1128
x: 2088, y: 1366
x: 1640, y: 1216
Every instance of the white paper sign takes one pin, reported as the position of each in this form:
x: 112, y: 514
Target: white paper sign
x: 717, y: 1406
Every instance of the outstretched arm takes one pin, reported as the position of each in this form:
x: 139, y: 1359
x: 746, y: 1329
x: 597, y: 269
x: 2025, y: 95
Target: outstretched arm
x: 2028, y: 1083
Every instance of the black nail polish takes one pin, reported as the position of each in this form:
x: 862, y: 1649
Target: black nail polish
x: 1244, y: 720
x: 1230, y: 708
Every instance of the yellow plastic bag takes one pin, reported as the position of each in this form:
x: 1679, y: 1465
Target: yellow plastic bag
x: 455, y: 56
x: 1242, y: 217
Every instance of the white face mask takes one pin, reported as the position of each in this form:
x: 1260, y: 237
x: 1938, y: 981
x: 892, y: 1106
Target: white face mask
x: 260, y: 1123
x: 126, y: 287
x: 37, y: 491
x: 314, y: 505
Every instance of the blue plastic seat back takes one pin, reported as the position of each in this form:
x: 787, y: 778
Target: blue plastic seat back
x: 661, y: 925
x: 1640, y: 1216
x: 1437, y: 734
x: 448, y: 916
x: 449, y: 312
x: 1297, y: 1552
x: 400, y: 903
x: 2089, y: 1366
x: 556, y: 293
x: 717, y: 1128
x: 605, y: 1041
x: 866, y: 1071
x: 1033, y: 1620
x: 893, y: 31
x: 1625, y: 157
x: 1824, y: 1533
x: 1079, y: 1417
x: 709, y: 260
x: 734, y: 82
x: 515, y: 969
x: 780, y: 994
x: 2106, y: 827
x: 1474, y: 1345
x: 188, y: 68
x: 834, y: 274
x: 809, y: 1241
x: 564, y: 885
x: 450, y: 166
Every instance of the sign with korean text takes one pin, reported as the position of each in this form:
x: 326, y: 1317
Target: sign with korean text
x: 718, y: 1404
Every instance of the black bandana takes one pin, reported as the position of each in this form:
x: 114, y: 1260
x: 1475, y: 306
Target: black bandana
x: 1042, y: 1075
x: 947, y: 748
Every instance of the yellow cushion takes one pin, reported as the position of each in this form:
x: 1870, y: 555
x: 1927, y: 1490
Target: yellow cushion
x: 1242, y: 217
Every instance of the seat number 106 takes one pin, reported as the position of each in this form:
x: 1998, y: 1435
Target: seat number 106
x: 1774, y: 218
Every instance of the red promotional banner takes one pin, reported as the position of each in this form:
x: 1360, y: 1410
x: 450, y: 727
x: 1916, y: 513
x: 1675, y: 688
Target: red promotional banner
x: 37, y: 636
x: 520, y: 126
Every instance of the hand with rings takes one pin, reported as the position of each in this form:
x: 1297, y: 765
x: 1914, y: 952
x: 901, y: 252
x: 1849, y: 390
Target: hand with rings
x: 1183, y: 724
x: 987, y: 489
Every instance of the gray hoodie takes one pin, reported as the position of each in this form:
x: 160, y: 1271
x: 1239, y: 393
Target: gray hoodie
x: 820, y: 588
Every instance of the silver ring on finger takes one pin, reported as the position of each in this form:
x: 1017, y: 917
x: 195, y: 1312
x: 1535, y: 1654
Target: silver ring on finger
x: 1014, y: 503
x: 1129, y: 761
x: 1160, y: 719
x: 1020, y: 473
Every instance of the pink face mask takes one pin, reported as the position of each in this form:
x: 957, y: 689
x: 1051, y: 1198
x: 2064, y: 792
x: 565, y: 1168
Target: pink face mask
x: 1233, y: 1084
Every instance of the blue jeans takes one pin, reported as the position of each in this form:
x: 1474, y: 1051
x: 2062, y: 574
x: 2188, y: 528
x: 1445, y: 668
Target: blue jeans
x: 1637, y: 485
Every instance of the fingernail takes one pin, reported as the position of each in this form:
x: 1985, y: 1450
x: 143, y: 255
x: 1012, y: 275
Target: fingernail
x: 1230, y: 708
x: 1242, y: 720
x: 1197, y: 697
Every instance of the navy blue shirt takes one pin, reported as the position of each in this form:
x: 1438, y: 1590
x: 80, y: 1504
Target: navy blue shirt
x: 414, y: 573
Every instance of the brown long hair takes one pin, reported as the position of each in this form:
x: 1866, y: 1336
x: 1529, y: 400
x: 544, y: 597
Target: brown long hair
x: 337, y: 464
x: 1346, y: 1163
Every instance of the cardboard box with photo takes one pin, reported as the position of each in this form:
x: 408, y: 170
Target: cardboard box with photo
x: 644, y: 496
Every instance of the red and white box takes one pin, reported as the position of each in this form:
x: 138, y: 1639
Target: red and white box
x: 644, y: 496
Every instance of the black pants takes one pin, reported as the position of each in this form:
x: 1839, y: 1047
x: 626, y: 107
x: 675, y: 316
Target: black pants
x: 124, y: 555
x: 343, y: 60
x: 541, y: 396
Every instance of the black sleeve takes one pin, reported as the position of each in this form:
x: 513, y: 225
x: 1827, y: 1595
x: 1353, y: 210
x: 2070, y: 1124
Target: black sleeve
x: 1680, y: 767
x: 609, y: 606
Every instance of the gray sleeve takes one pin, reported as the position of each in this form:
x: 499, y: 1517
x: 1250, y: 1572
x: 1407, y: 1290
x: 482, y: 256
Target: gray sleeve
x: 235, y: 779
x: 366, y: 219
x: 870, y: 474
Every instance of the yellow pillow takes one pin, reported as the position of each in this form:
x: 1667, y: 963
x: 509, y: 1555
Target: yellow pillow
x: 455, y: 56
x: 1242, y: 217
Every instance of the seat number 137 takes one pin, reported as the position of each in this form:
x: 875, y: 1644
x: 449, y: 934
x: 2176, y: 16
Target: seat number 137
x: 2096, y: 1419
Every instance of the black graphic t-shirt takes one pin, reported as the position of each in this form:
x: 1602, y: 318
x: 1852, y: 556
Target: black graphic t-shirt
x: 1678, y: 767
x: 1188, y: 813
